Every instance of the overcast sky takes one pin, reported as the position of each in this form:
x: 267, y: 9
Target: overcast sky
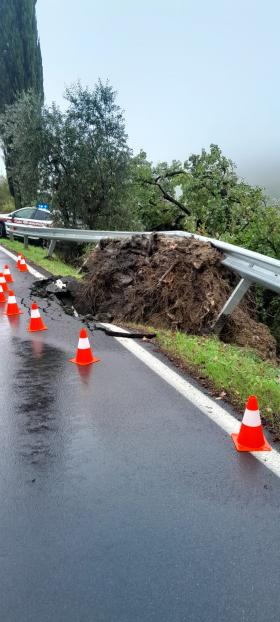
x: 187, y: 72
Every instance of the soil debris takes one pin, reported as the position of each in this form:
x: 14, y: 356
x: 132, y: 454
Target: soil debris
x: 177, y: 283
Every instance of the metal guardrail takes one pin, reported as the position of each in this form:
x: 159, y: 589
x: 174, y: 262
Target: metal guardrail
x: 67, y: 235
x: 252, y: 267
x: 63, y: 235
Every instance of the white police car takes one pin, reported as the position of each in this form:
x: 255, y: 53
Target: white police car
x: 29, y: 216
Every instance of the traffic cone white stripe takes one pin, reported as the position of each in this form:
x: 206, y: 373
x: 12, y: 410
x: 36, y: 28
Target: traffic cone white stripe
x: 6, y: 271
x: 2, y: 279
x: 35, y: 313
x: 12, y: 300
x: 251, y: 418
x: 83, y: 343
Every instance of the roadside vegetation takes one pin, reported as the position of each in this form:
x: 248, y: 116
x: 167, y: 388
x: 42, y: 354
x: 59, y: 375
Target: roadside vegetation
x: 231, y: 372
x: 37, y: 254
x: 6, y: 201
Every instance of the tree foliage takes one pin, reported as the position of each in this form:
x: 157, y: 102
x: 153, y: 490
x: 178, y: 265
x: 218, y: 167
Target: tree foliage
x: 79, y: 157
x: 20, y: 53
x: 203, y: 194
x: 157, y: 207
x: 86, y: 159
x: 20, y: 64
x: 6, y: 201
x: 21, y: 128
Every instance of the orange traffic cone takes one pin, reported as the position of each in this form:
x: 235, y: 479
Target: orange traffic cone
x: 18, y: 260
x: 2, y: 295
x: 36, y: 322
x: 251, y: 436
x: 7, y: 274
x: 3, y: 282
x: 22, y: 265
x: 84, y: 355
x: 12, y: 307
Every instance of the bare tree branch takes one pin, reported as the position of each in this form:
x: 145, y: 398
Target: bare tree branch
x: 168, y: 196
x: 171, y: 174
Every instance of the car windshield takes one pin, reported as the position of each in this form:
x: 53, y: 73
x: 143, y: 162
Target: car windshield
x: 25, y: 212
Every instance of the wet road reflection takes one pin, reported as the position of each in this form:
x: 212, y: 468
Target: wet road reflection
x: 35, y: 379
x: 37, y: 347
x: 13, y: 320
x: 85, y: 372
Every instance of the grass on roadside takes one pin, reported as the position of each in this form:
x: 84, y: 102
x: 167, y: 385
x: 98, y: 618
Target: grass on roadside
x: 236, y: 371
x: 35, y: 253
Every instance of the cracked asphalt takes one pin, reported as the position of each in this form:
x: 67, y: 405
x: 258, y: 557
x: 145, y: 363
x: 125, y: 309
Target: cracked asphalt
x: 120, y: 501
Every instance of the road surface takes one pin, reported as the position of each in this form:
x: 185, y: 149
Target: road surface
x: 120, y: 501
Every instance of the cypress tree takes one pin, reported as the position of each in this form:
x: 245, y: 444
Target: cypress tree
x: 20, y: 60
x: 20, y: 53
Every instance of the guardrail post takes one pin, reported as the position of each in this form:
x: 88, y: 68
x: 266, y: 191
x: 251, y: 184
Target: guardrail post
x: 25, y: 237
x: 51, y: 248
x: 234, y: 299
x: 11, y: 236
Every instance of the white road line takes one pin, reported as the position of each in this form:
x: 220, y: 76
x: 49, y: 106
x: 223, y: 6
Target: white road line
x: 35, y: 273
x: 228, y: 423
x: 206, y: 405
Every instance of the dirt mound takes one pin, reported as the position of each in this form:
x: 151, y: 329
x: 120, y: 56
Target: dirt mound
x: 179, y: 284
x: 243, y: 330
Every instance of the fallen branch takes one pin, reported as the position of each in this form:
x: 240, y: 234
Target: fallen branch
x: 167, y: 272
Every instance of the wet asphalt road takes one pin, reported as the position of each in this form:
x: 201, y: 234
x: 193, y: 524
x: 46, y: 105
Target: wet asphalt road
x: 120, y: 501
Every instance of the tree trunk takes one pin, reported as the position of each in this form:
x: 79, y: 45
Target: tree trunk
x: 14, y: 190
